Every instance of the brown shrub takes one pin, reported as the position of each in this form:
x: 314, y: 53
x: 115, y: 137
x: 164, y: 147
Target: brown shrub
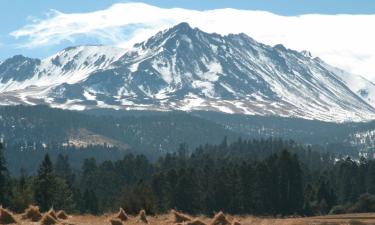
x: 220, y: 219
x: 52, y: 213
x: 142, y: 216
x: 115, y: 221
x: 6, y: 217
x: 180, y: 217
x: 122, y: 215
x: 32, y: 213
x: 47, y: 219
x: 62, y: 215
x: 235, y: 222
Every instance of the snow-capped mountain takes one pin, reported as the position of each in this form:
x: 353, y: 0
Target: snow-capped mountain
x: 187, y: 69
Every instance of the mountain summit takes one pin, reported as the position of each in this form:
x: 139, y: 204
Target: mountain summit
x: 187, y: 69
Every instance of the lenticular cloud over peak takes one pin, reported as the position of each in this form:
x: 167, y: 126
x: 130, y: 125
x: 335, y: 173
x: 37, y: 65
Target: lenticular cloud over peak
x: 345, y: 41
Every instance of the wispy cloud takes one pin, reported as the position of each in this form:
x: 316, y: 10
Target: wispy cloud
x: 345, y: 41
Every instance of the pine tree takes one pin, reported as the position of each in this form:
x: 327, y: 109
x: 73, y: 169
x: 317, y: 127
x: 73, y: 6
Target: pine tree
x: 4, y: 180
x: 348, y: 190
x: 290, y: 183
x: 88, y: 170
x: 90, y: 202
x: 247, y: 176
x: 63, y: 170
x: 158, y: 187
x: 45, y: 185
x: 187, y: 194
x: 171, y: 181
x: 63, y: 196
x: 23, y: 195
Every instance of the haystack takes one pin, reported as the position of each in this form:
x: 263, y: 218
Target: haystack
x: 52, y: 213
x: 32, y: 213
x: 142, y: 216
x: 235, y: 222
x: 220, y: 219
x: 180, y: 217
x: 115, y: 221
x: 6, y: 217
x: 195, y: 222
x: 62, y: 215
x: 47, y: 219
x: 122, y: 215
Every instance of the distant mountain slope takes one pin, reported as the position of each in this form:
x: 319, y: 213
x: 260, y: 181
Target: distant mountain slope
x: 155, y: 133
x: 151, y: 135
x: 358, y: 84
x: 187, y: 69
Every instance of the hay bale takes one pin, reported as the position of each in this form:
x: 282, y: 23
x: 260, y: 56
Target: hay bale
x: 122, y: 215
x: 115, y: 221
x: 62, y: 215
x: 220, y: 219
x: 180, y: 217
x: 6, y: 217
x: 235, y: 222
x: 195, y: 222
x: 52, y: 213
x: 142, y: 216
x: 32, y: 213
x: 47, y: 219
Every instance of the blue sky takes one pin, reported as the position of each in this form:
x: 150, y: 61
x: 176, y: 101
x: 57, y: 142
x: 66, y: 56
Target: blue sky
x: 32, y: 29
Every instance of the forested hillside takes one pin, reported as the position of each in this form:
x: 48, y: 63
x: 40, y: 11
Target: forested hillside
x: 30, y: 131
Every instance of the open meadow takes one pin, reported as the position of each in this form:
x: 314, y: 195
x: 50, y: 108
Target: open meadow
x: 33, y: 217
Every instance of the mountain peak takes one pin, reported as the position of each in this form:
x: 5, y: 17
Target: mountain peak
x: 184, y: 26
x: 176, y: 32
x: 181, y: 29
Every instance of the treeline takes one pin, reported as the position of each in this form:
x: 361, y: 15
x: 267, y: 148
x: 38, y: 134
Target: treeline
x: 28, y: 155
x: 260, y: 177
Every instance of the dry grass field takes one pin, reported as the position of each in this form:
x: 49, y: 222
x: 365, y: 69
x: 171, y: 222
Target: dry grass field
x: 170, y: 219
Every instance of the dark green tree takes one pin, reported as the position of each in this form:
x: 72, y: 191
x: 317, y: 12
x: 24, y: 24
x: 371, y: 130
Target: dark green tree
x: 90, y: 202
x: 290, y: 184
x: 4, y: 180
x: 63, y: 170
x: 187, y: 191
x: 45, y: 185
x: 63, y: 196
x: 23, y: 195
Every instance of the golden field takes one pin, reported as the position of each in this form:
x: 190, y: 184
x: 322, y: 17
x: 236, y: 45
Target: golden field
x: 169, y: 219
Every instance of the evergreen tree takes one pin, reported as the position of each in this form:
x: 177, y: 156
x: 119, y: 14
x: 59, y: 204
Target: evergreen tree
x: 158, y: 184
x: 88, y: 173
x: 171, y: 182
x: 221, y: 190
x: 90, y: 202
x: 63, y: 170
x: 348, y: 190
x: 45, y: 185
x: 63, y: 196
x: 247, y: 186
x: 23, y: 195
x: 4, y: 180
x: 290, y: 183
x: 187, y: 194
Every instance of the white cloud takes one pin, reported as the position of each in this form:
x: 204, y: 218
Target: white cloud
x: 346, y: 41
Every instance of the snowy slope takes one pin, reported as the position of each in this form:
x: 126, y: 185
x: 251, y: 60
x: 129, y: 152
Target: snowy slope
x: 187, y: 69
x: 68, y: 66
x: 358, y: 84
x: 22, y: 78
